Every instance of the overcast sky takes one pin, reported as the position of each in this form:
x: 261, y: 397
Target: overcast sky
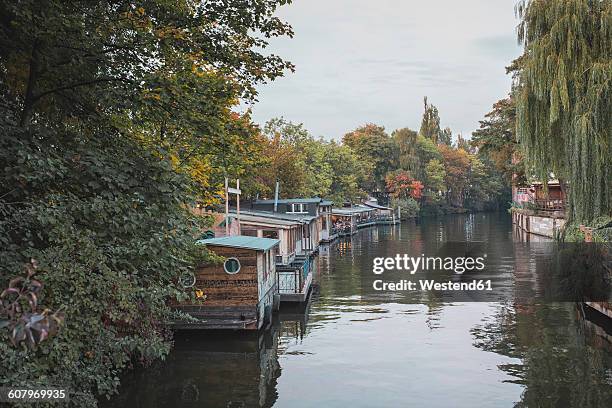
x: 361, y: 61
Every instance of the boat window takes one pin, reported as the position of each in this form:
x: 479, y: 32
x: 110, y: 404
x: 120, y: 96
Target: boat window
x: 231, y: 265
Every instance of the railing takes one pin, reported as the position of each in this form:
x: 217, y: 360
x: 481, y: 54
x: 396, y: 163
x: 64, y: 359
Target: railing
x: 549, y: 205
x: 384, y: 218
x: 291, y: 278
x: 342, y: 229
x: 289, y: 281
x: 285, y: 259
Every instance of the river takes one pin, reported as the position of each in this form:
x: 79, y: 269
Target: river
x: 343, y: 351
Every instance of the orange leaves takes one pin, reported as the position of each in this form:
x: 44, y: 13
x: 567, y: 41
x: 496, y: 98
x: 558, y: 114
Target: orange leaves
x: 401, y: 185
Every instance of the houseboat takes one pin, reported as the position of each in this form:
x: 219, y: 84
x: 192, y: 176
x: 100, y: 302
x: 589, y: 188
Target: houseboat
x: 238, y: 293
x: 344, y: 221
x: 293, y: 260
x: 328, y: 233
x: 306, y: 210
x: 384, y: 215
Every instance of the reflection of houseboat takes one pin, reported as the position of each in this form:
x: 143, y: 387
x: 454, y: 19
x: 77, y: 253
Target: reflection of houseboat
x: 212, y: 369
x: 240, y: 292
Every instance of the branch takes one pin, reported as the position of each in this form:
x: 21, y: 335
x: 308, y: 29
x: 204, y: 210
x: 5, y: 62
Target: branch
x: 77, y: 85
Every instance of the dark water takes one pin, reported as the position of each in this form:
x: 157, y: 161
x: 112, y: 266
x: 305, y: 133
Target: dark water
x: 348, y: 352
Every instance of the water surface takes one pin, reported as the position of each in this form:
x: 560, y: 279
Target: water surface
x: 345, y: 351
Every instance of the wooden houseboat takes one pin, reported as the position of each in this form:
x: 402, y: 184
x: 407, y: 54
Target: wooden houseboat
x: 305, y: 210
x: 239, y: 293
x: 344, y: 221
x: 366, y: 216
x: 384, y: 215
x: 328, y: 233
x: 293, y: 261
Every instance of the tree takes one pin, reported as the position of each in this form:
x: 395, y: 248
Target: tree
x: 282, y: 166
x: 465, y: 144
x: 446, y: 136
x: 496, y: 138
x: 401, y: 185
x: 430, y: 124
x: 485, y: 185
x: 435, y: 176
x: 372, y: 144
x: 426, y: 151
x: 349, y: 174
x: 563, y: 98
x: 106, y: 110
x: 406, y: 142
x: 457, y: 166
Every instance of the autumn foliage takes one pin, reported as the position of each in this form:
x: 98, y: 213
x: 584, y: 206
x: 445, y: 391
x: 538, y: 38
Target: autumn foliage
x: 401, y: 185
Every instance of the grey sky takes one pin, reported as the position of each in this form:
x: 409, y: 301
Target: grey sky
x: 360, y: 61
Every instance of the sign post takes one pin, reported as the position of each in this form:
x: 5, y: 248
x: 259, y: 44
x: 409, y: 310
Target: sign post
x: 230, y: 190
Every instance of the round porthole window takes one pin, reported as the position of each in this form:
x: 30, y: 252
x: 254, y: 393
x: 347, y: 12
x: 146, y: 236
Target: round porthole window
x: 231, y: 265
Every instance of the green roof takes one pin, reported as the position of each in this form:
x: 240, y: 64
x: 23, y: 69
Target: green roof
x: 242, y: 241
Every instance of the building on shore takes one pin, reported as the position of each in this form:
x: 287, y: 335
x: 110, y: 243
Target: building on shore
x: 239, y: 293
x: 538, y: 210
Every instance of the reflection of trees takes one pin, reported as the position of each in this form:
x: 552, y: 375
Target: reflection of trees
x: 558, y: 368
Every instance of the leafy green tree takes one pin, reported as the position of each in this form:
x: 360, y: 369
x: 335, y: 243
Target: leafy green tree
x: 446, y: 136
x: 496, y: 139
x: 485, y: 187
x: 373, y: 145
x: 435, y: 175
x: 563, y: 98
x: 430, y: 124
x: 105, y: 109
x: 349, y: 174
x: 406, y: 142
x: 426, y: 151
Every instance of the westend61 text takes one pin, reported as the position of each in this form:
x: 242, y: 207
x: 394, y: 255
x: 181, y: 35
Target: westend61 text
x: 408, y: 285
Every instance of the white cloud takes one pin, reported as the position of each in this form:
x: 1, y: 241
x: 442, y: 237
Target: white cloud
x: 361, y: 61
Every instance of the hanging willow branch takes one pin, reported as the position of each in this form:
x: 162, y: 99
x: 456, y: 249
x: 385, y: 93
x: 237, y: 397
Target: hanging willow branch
x: 564, y: 101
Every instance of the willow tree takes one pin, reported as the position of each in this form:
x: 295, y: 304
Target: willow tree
x: 563, y: 98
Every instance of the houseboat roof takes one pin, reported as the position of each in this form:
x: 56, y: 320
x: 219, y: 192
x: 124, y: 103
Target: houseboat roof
x: 242, y: 241
x: 327, y: 202
x: 377, y: 206
x: 264, y: 218
x: 351, y: 210
x: 290, y: 201
x: 277, y: 215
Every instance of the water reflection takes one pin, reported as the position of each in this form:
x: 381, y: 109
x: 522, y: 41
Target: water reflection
x: 346, y: 350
